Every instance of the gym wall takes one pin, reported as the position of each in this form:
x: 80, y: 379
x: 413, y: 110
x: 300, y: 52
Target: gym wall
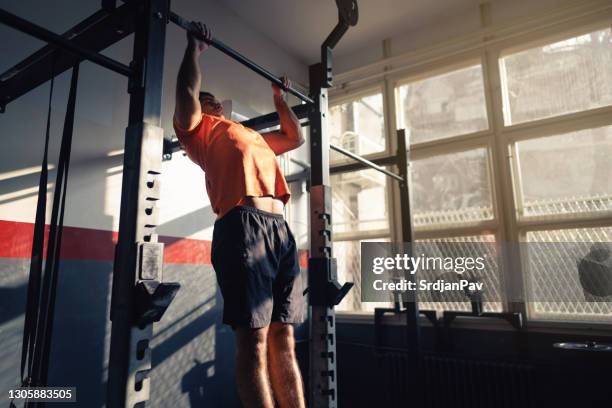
x: 192, y: 350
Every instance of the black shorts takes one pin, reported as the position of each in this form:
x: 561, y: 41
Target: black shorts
x: 256, y: 262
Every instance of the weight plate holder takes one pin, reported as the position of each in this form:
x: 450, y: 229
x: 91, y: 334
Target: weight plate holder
x: 152, y: 296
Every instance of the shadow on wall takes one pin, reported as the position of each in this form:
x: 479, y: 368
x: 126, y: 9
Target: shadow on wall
x: 12, y: 301
x: 193, y: 352
x: 190, y: 223
x: 81, y: 329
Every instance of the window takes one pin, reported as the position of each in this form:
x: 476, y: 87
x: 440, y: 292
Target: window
x: 358, y: 125
x: 565, y: 174
x: 451, y: 189
x: 554, y: 284
x: 479, y: 182
x: 559, y: 78
x: 444, y: 105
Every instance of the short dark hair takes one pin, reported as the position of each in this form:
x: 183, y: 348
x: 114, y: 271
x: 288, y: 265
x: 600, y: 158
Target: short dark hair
x: 204, y: 93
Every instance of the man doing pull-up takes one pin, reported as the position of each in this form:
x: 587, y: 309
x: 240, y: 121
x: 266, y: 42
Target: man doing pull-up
x: 254, y: 254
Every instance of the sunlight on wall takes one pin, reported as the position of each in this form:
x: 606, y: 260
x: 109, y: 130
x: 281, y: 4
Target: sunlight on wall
x: 183, y: 194
x: 184, y: 202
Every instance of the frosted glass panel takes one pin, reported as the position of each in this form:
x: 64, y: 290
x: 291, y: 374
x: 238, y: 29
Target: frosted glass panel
x: 442, y: 106
x: 564, y: 77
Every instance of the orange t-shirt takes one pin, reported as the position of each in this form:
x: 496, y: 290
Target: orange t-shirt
x: 236, y: 160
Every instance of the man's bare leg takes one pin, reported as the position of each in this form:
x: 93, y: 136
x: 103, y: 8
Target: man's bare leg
x: 252, y: 368
x: 284, y: 370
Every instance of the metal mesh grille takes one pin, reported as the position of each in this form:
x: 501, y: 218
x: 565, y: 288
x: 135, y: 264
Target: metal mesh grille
x: 572, y: 205
x: 551, y: 272
x: 448, y: 218
x: 474, y: 246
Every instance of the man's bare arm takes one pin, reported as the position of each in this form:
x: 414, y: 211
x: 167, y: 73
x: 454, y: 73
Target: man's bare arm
x: 289, y: 136
x: 187, y: 111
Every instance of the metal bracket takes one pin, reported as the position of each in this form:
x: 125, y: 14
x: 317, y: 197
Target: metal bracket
x: 152, y: 300
x: 514, y: 318
x: 325, y: 292
x: 152, y: 297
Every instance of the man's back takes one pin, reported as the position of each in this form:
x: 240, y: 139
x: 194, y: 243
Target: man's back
x: 237, y: 161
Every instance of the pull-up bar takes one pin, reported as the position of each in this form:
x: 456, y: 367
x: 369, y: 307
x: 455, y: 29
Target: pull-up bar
x: 184, y: 23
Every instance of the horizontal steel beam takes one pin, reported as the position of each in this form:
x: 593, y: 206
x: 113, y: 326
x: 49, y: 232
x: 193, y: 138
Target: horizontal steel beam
x: 97, y: 32
x: 184, y: 24
x: 271, y: 119
x: 50, y: 37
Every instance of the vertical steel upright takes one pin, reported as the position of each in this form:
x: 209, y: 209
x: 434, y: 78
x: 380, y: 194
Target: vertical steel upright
x: 411, y: 305
x: 321, y: 268
x: 324, y: 289
x: 130, y: 353
x: 413, y: 329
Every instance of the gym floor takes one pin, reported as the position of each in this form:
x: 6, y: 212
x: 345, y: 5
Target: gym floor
x: 507, y: 111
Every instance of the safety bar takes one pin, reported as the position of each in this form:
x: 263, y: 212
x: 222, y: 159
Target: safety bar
x: 184, y: 23
x: 50, y: 37
x: 366, y: 162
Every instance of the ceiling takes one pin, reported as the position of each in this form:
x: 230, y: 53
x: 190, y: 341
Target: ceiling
x: 300, y: 26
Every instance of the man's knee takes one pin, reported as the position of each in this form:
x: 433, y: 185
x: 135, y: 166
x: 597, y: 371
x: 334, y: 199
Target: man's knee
x: 251, y: 342
x: 280, y: 336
